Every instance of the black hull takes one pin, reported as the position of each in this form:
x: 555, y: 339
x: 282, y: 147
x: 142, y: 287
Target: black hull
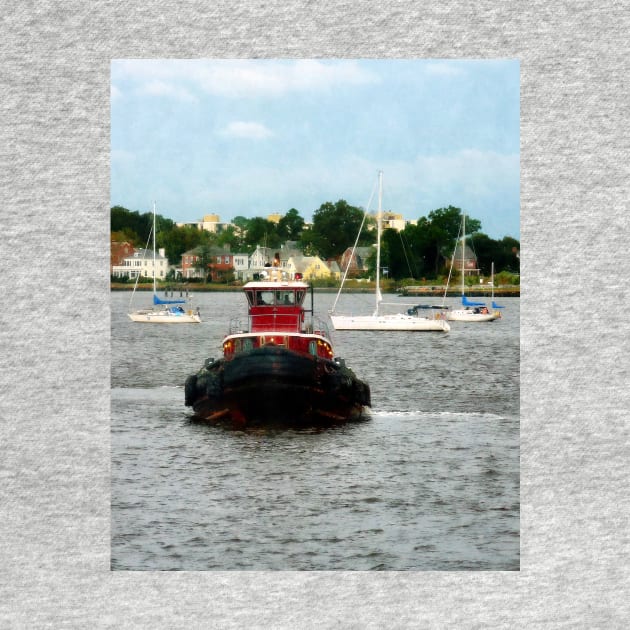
x: 274, y: 386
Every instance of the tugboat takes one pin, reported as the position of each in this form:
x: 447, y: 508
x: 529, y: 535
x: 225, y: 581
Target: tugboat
x: 279, y: 369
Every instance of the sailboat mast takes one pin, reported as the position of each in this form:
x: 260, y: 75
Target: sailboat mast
x: 154, y: 284
x: 378, y: 240
x: 463, y: 248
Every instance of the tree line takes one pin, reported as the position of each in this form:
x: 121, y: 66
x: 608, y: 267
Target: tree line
x: 418, y: 251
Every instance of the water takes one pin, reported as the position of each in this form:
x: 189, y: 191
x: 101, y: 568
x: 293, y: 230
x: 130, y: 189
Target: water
x: 429, y: 482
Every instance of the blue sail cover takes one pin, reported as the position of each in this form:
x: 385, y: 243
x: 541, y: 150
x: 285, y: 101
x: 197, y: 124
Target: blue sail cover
x: 467, y: 302
x: 495, y: 305
x: 157, y: 300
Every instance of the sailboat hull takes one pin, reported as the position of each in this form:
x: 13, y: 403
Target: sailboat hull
x: 164, y: 317
x: 469, y: 315
x: 388, y: 322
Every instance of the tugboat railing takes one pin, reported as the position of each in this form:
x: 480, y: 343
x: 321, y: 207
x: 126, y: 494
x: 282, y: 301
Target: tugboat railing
x: 280, y: 322
x: 237, y: 326
x: 318, y: 326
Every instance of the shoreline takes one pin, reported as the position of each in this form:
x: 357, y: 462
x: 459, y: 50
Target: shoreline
x: 417, y: 292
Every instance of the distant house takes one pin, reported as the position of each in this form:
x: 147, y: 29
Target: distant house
x: 241, y: 265
x: 222, y: 265
x: 311, y: 267
x: 355, y: 262
x: 190, y: 260
x: 219, y: 263
x: 140, y: 263
x: 335, y: 270
x: 119, y: 250
x: 288, y: 249
x: 261, y: 257
x: 471, y: 268
x: 395, y: 221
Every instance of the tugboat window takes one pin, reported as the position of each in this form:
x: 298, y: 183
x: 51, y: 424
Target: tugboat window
x: 312, y: 348
x: 264, y: 298
x: 285, y: 298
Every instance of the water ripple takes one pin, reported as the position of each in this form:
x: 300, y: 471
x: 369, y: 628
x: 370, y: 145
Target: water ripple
x: 429, y: 482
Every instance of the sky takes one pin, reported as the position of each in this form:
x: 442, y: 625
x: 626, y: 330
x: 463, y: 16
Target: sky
x: 258, y: 137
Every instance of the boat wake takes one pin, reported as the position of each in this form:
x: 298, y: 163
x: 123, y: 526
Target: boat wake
x: 463, y: 415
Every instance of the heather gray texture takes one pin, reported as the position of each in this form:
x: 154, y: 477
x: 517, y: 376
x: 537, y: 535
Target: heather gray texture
x: 54, y: 432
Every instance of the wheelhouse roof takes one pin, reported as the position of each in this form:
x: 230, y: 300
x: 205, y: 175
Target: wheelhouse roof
x: 280, y: 284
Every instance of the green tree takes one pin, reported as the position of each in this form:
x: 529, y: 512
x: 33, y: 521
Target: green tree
x: 503, y: 253
x: 162, y: 224
x: 205, y: 260
x: 433, y: 238
x: 230, y: 237
x: 241, y: 222
x: 335, y: 228
x: 443, y: 231
x: 178, y: 240
x: 485, y: 249
x: 417, y: 249
x: 509, y: 258
x: 290, y: 226
x: 449, y: 221
x: 138, y: 226
x: 262, y: 232
x: 131, y: 221
x: 126, y: 234
x: 393, y: 255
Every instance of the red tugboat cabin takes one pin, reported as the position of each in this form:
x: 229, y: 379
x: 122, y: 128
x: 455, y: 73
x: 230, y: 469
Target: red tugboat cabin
x: 277, y: 318
x: 275, y: 306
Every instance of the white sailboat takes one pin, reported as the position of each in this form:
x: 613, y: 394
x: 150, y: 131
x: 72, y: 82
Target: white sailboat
x: 410, y: 320
x: 163, y: 311
x: 472, y: 311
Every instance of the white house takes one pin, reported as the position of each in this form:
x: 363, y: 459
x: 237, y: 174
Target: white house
x: 261, y: 257
x: 141, y: 264
x: 241, y: 265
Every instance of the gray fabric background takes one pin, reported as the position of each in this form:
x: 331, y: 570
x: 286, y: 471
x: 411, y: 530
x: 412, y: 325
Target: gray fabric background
x: 54, y: 331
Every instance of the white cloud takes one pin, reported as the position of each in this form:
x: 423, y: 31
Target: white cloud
x: 114, y: 93
x: 444, y: 68
x: 247, y: 78
x: 241, y: 78
x: 121, y: 156
x: 163, y: 88
x: 243, y: 129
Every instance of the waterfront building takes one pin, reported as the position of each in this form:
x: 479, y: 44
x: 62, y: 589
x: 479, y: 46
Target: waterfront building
x: 140, y: 263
